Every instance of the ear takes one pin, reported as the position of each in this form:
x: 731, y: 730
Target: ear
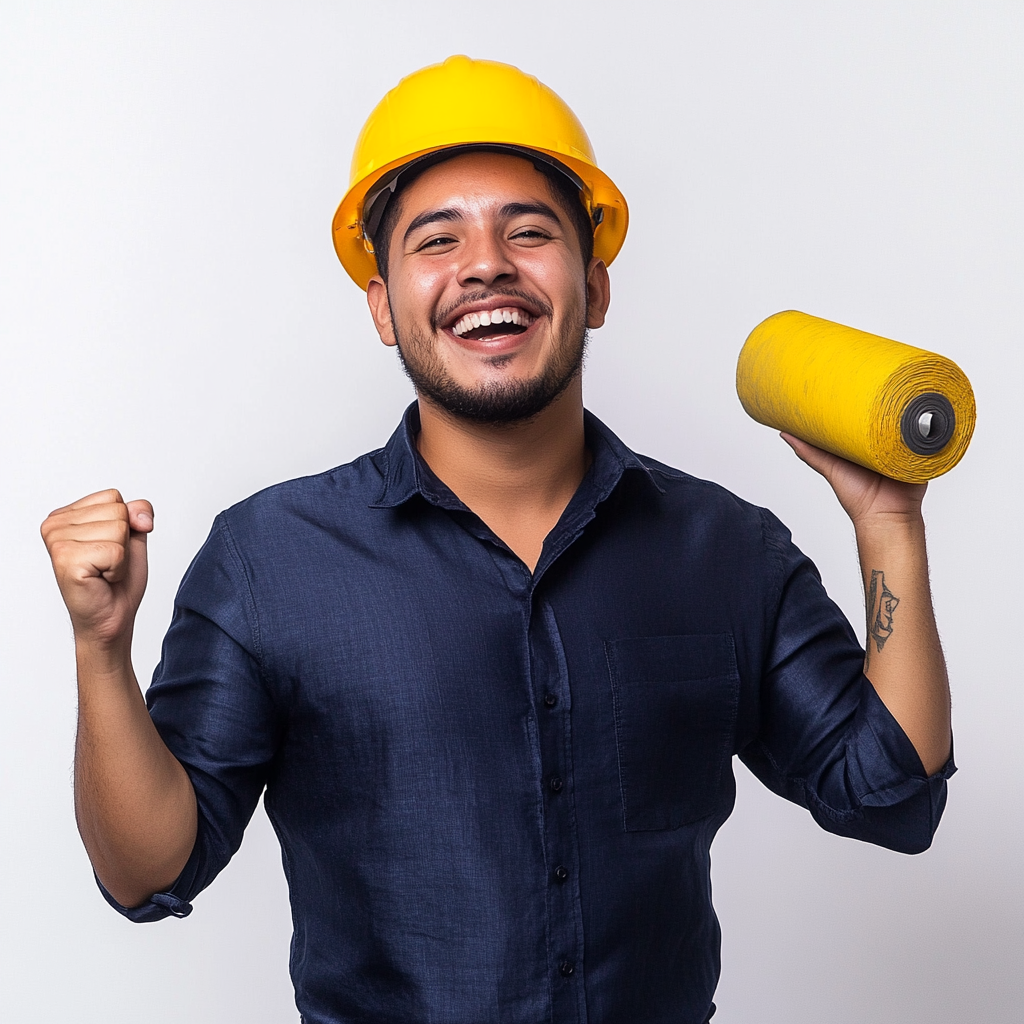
x: 380, y: 310
x: 599, y: 292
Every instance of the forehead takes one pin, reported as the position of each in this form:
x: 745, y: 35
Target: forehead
x: 475, y: 179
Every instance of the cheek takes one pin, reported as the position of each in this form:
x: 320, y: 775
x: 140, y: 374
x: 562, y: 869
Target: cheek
x: 417, y: 298
x: 559, y: 280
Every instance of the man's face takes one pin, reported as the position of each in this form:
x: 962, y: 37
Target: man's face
x: 487, y: 296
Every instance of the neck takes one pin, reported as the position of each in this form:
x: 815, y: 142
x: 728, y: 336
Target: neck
x: 518, y: 477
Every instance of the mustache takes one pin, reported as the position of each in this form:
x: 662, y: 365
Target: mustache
x: 445, y: 313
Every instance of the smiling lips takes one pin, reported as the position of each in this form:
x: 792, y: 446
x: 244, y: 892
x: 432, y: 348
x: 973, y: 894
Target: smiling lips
x: 489, y: 323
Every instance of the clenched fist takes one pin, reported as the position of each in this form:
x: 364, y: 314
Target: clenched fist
x: 98, y: 549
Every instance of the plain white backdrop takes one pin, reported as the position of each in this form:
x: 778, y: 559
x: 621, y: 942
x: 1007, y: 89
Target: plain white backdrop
x: 174, y: 323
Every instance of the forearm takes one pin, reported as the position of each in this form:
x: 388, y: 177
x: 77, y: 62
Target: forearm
x: 904, y: 657
x: 134, y: 802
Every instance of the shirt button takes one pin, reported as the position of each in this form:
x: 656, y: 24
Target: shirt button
x: 566, y: 968
x: 561, y: 873
x: 555, y: 784
x: 550, y: 700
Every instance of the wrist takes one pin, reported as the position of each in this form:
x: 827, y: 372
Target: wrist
x: 902, y: 524
x: 97, y: 656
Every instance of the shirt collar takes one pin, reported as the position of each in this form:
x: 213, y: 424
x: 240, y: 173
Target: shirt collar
x: 406, y: 474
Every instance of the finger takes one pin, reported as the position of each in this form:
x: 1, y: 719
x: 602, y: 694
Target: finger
x: 798, y: 445
x: 71, y: 518
x: 90, y: 513
x: 818, y: 459
x: 81, y: 561
x: 115, y: 531
x: 110, y: 496
x: 140, y: 515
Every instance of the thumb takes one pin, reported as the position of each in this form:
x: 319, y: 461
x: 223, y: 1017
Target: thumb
x: 140, y: 519
x: 819, y: 460
x: 140, y: 516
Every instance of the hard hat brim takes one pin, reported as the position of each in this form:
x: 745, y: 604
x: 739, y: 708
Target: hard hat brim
x: 604, y: 201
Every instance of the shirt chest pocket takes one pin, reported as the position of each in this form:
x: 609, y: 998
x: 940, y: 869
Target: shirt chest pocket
x: 675, y: 700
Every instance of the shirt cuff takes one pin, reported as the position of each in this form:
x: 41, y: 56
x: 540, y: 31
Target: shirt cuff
x: 172, y: 903
x: 889, y: 764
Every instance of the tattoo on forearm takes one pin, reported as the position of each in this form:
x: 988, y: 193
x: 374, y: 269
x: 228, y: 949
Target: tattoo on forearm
x: 881, y: 603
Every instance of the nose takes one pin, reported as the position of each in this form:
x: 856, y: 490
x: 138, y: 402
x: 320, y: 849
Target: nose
x: 486, y: 261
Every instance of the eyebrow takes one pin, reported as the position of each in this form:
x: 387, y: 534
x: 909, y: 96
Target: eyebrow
x: 430, y: 217
x: 450, y: 213
x: 524, y: 209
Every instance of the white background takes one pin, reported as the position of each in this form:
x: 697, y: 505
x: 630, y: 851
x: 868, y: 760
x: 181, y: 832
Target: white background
x: 174, y: 323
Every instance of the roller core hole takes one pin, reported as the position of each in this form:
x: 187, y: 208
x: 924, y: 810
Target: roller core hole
x: 928, y: 423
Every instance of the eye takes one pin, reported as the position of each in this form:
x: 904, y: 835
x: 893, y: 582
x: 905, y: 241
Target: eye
x: 530, y: 235
x: 435, y: 243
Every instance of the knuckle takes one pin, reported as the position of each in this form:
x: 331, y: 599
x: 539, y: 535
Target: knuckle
x: 52, y: 522
x: 105, y: 497
x: 113, y: 551
x: 58, y: 551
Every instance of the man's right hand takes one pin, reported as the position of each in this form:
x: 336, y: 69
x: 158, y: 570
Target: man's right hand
x: 134, y: 802
x: 98, y: 549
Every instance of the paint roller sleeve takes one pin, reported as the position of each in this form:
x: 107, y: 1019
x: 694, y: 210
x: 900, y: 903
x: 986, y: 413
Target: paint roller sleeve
x: 902, y: 411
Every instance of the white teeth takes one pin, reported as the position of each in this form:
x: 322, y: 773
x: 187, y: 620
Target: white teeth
x: 487, y: 317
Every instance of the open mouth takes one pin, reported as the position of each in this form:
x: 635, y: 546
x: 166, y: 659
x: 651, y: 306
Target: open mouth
x: 492, y: 323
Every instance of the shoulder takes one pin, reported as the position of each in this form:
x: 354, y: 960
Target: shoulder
x: 661, y: 489
x: 721, y: 534
x: 676, y: 511
x: 705, y: 498
x: 317, y: 498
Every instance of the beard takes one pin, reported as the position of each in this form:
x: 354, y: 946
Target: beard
x: 497, y: 402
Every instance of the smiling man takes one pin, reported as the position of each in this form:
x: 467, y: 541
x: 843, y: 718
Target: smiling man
x: 491, y: 677
x: 489, y: 296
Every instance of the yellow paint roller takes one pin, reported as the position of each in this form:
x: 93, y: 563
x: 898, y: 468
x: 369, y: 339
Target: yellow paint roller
x: 899, y: 410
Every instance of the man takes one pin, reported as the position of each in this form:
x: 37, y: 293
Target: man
x: 492, y: 676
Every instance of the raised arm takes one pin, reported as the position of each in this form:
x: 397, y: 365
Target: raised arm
x: 135, y: 805
x: 904, y: 657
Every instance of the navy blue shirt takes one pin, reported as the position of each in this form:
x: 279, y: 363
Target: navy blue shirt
x: 496, y: 790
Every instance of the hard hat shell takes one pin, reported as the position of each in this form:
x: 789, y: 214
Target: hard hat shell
x: 464, y: 102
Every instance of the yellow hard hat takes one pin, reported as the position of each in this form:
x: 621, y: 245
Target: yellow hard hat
x: 465, y: 102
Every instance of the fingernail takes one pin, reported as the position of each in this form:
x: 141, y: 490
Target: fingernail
x: 144, y: 518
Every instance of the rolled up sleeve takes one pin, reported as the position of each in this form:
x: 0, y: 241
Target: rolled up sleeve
x: 213, y: 709
x: 826, y: 741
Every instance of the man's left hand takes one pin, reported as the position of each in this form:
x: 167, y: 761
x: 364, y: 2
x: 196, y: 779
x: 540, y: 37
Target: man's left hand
x: 864, y: 494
